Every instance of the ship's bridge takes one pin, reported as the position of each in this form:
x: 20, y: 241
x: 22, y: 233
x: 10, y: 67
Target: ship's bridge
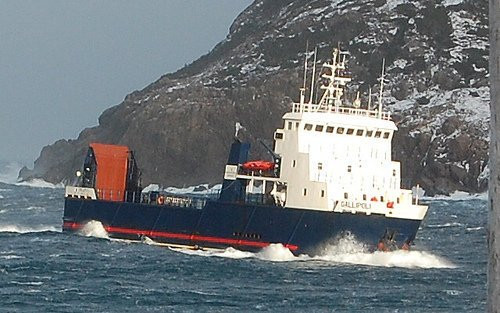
x: 335, y: 156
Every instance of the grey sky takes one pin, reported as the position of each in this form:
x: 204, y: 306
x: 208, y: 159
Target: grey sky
x: 63, y: 62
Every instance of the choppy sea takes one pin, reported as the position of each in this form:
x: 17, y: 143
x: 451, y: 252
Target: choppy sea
x: 45, y: 270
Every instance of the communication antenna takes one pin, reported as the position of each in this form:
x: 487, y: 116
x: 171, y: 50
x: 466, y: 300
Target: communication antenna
x: 381, y: 89
x: 369, y: 97
x: 303, y: 89
x: 313, y: 76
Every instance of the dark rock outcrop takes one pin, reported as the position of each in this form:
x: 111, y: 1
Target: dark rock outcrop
x: 437, y: 59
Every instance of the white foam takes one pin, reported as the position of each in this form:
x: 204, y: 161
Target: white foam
x: 399, y: 258
x: 39, y: 183
x: 276, y: 252
x: 453, y: 224
x: 1, y: 197
x: 459, y: 196
x: 94, y: 229
x: 27, y: 229
x: 35, y: 208
x: 344, y: 251
x: 11, y: 256
x: 474, y: 228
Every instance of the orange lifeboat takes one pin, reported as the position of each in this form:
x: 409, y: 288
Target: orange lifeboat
x: 258, y: 166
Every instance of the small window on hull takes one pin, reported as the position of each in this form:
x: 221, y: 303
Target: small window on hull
x: 350, y: 131
x: 308, y: 127
x: 322, y: 193
x: 329, y: 129
x: 305, y: 191
x: 340, y: 130
x: 359, y: 132
x: 386, y: 135
x: 377, y: 134
x: 346, y: 195
x: 369, y: 133
x: 319, y: 128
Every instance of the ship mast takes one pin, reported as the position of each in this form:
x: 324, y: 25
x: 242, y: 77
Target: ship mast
x: 381, y: 89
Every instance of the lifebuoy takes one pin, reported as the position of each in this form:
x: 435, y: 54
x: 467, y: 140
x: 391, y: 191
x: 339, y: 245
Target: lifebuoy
x: 390, y: 204
x: 160, y: 200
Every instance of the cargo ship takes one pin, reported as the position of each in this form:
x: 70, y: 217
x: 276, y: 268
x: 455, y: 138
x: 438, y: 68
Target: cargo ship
x: 330, y: 174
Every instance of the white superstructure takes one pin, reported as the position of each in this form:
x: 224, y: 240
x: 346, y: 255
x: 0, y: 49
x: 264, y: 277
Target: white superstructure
x: 336, y: 156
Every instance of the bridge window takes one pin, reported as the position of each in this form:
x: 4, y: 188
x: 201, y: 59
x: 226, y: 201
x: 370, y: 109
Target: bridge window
x: 340, y: 130
x: 350, y: 131
x: 359, y: 132
x: 319, y: 128
x: 329, y: 129
x: 289, y: 125
x: 297, y: 125
x: 386, y: 135
x: 369, y: 133
x: 320, y: 166
x: 377, y: 134
x: 393, y: 172
x: 349, y: 168
x: 381, y: 198
x: 308, y: 127
x: 364, y: 197
x: 278, y: 136
x: 346, y: 195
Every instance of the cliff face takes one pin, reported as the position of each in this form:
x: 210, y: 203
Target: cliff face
x: 437, y: 70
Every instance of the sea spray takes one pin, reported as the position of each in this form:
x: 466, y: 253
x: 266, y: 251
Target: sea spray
x: 276, y: 252
x: 94, y: 229
x: 348, y: 250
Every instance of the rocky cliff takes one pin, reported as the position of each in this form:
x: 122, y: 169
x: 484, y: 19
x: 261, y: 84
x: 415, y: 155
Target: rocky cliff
x: 436, y: 53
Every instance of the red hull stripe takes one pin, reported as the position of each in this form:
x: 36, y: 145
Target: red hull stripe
x: 161, y: 234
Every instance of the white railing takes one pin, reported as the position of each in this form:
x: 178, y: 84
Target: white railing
x: 306, y: 108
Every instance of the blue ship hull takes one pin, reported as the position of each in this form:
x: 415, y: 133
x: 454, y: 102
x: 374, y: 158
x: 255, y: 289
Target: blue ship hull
x: 244, y: 226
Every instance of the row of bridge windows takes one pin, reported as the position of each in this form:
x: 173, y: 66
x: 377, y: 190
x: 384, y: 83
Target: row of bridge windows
x: 343, y: 130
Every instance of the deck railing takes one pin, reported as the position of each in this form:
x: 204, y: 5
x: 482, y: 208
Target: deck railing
x: 306, y: 107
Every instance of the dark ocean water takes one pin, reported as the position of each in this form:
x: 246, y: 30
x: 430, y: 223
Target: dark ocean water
x: 44, y: 270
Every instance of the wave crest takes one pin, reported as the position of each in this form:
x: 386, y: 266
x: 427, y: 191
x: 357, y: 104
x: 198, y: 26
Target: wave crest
x: 27, y: 229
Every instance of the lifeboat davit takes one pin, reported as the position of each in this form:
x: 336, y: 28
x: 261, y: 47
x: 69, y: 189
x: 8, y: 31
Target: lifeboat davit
x: 258, y: 166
